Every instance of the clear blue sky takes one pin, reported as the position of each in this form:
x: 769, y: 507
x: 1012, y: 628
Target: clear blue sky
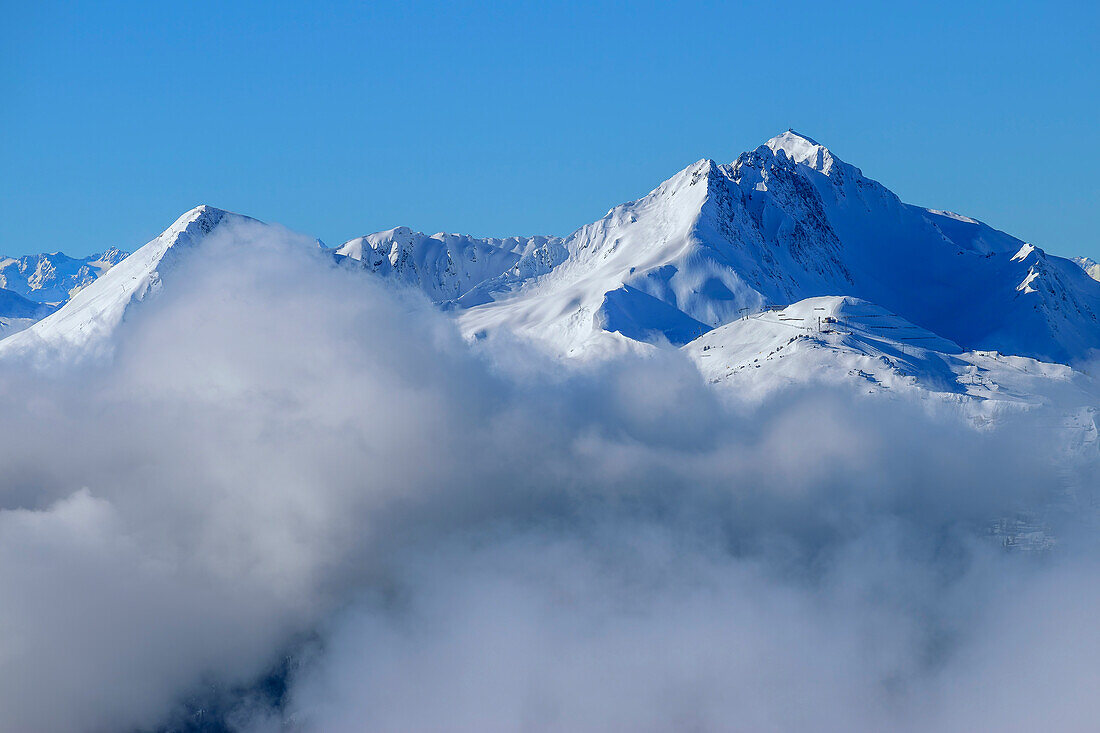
x: 339, y: 119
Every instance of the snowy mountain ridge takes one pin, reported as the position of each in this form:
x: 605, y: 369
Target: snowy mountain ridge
x: 34, y: 286
x: 446, y: 266
x: 1091, y: 266
x: 84, y: 325
x: 55, y: 277
x: 740, y: 264
x: 784, y: 222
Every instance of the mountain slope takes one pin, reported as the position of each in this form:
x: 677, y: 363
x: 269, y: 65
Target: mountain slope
x: 83, y: 326
x: 847, y: 341
x: 784, y: 222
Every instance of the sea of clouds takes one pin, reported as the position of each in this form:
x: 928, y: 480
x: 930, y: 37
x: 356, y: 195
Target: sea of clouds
x: 294, y: 499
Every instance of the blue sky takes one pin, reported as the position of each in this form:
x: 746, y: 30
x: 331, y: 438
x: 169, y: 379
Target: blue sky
x: 525, y: 118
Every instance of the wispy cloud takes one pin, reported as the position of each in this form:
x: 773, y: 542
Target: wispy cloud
x: 289, y: 458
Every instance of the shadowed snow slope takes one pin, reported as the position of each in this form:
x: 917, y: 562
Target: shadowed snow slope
x: 18, y: 313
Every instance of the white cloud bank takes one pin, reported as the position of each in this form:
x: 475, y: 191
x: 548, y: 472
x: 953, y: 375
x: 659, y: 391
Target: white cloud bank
x: 287, y: 458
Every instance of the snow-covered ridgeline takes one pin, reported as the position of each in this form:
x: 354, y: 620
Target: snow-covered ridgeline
x: 1090, y: 266
x: 785, y: 225
x: 784, y: 222
x: 88, y: 320
x: 54, y: 277
x: 446, y: 266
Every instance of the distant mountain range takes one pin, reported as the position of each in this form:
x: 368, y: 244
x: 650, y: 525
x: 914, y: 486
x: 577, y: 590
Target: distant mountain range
x: 55, y: 277
x: 784, y: 222
x: 1090, y: 266
x: 33, y: 286
x: 787, y: 264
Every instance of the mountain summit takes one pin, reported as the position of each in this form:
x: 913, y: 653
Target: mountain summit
x: 803, y: 150
x: 85, y: 323
x: 787, y: 221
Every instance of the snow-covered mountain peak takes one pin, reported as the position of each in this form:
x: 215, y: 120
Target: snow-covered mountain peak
x: 84, y: 325
x: 784, y: 222
x: 202, y: 218
x: 686, y: 181
x: 802, y: 150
